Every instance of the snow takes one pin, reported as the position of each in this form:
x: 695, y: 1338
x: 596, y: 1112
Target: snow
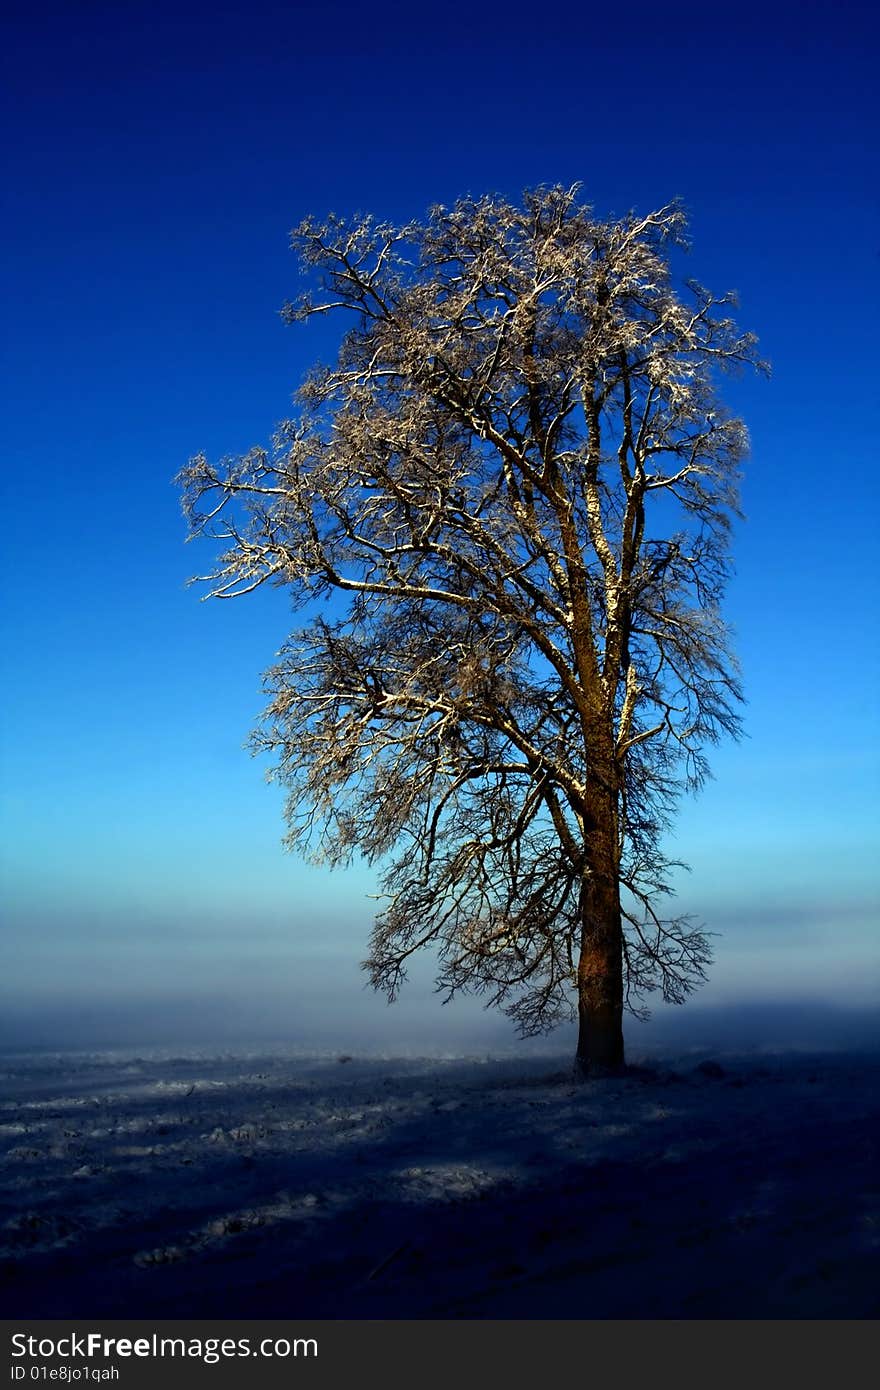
x: 285, y: 1184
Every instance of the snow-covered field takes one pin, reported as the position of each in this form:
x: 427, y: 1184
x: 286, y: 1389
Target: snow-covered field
x: 280, y: 1185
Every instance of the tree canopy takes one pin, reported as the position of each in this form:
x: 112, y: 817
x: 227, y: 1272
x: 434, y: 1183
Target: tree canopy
x: 505, y: 510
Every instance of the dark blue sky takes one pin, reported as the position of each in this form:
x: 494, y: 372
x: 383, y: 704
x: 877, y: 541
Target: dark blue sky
x: 156, y: 158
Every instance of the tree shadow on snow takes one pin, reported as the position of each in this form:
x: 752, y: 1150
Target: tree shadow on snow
x: 272, y: 1188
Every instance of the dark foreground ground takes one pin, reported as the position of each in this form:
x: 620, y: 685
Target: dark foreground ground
x: 282, y: 1186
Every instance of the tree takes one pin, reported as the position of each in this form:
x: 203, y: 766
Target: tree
x: 507, y: 508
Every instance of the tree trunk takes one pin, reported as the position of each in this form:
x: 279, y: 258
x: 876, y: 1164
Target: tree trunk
x: 600, y: 964
x: 600, y: 980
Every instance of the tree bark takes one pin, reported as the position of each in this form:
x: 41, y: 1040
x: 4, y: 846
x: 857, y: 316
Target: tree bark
x: 600, y: 964
x: 600, y: 985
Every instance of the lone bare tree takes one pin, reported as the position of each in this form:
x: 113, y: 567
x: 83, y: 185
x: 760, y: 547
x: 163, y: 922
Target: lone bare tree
x: 507, y: 509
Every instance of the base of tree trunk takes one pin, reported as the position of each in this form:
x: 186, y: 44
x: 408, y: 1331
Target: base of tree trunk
x: 600, y: 1049
x: 584, y: 1070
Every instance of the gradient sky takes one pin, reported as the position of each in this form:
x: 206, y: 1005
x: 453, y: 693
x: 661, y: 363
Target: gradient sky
x: 157, y: 157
